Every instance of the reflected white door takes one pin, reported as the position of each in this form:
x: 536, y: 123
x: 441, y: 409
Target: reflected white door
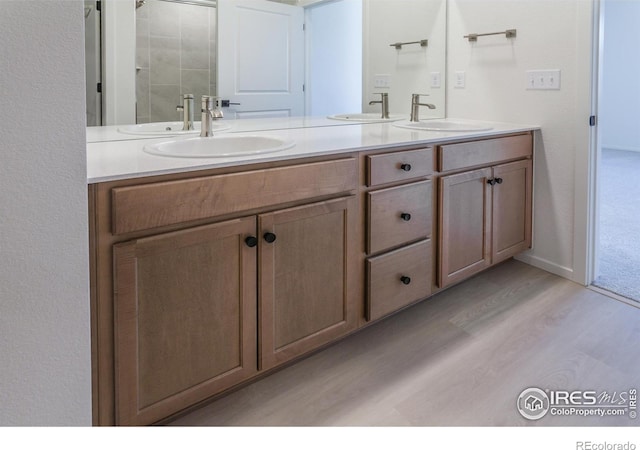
x: 260, y: 58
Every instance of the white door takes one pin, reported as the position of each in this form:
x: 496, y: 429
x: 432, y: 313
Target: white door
x: 260, y: 58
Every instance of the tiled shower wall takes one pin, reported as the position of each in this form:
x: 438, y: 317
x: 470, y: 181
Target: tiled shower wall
x: 175, y: 55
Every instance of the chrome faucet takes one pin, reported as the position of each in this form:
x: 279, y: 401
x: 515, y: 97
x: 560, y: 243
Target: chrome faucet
x: 187, y: 112
x: 210, y: 112
x: 415, y: 107
x: 384, y: 101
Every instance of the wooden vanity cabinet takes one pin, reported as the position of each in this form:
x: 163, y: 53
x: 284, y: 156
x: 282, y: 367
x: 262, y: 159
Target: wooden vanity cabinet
x: 187, y: 303
x: 201, y: 282
x: 485, y: 213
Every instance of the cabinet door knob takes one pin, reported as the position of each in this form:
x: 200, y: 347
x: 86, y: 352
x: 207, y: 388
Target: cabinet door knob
x: 406, y: 167
x: 269, y: 237
x: 251, y: 241
x: 405, y: 279
x: 499, y: 180
x: 491, y: 181
x: 405, y: 216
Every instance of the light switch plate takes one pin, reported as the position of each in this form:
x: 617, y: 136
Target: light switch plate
x: 543, y: 79
x: 435, y: 80
x: 459, y: 79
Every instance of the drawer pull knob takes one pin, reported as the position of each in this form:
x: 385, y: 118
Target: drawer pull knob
x: 251, y: 241
x: 405, y: 216
x: 406, y: 167
x: 269, y: 237
x: 491, y: 181
x: 405, y: 280
x: 499, y: 180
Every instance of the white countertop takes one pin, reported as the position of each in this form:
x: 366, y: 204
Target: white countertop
x: 124, y: 159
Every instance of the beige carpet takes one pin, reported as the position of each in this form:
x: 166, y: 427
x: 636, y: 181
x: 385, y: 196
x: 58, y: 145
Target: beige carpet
x: 619, y: 227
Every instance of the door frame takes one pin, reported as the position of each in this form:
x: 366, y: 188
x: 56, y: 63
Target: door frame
x: 585, y: 238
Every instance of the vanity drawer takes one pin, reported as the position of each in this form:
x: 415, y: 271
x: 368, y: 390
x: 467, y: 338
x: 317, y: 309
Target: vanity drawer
x: 489, y: 151
x: 388, y: 273
x: 398, y: 215
x: 399, y: 166
x: 147, y: 206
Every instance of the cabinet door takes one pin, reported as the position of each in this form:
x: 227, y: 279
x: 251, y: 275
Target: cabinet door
x: 305, y: 278
x: 511, y: 210
x: 465, y: 225
x: 185, y: 318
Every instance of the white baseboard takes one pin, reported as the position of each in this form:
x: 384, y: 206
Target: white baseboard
x: 627, y: 149
x: 540, y: 263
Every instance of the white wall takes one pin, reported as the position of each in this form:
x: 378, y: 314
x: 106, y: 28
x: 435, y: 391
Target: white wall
x: 390, y: 21
x: 334, y: 58
x: 552, y: 34
x: 619, y: 104
x: 45, y: 364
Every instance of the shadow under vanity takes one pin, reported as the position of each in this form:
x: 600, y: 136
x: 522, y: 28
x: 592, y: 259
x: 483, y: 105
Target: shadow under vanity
x: 209, y: 275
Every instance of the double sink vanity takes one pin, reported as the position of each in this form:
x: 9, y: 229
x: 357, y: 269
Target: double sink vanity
x: 218, y: 260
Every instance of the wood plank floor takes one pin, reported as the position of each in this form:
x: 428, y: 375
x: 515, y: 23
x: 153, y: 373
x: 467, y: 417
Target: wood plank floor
x: 460, y: 358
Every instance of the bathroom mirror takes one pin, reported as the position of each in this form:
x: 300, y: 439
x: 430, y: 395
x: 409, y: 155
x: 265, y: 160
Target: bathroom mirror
x: 176, y: 51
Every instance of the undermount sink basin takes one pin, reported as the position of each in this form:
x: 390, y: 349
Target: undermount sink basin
x: 166, y: 128
x: 443, y: 125
x: 219, y: 146
x: 366, y: 117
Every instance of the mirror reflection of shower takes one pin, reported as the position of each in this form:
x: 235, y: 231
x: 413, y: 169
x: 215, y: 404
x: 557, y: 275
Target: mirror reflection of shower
x: 175, y: 54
